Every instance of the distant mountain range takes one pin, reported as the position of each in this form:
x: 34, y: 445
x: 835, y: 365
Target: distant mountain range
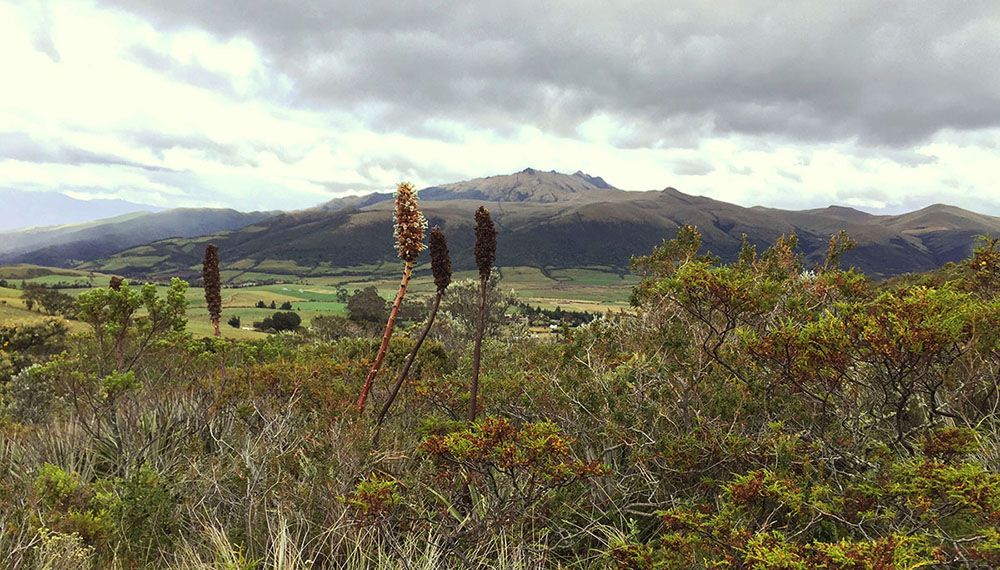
x: 544, y: 219
x: 68, y: 245
x: 36, y: 209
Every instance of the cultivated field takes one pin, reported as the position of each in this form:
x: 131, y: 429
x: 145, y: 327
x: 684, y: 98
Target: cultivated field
x: 584, y: 289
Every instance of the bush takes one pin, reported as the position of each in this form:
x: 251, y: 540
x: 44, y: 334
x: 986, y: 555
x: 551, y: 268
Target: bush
x: 761, y: 414
x: 278, y: 322
x: 367, y: 306
x: 25, y: 344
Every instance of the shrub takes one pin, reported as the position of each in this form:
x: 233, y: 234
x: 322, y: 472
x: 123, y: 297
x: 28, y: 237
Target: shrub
x: 278, y: 322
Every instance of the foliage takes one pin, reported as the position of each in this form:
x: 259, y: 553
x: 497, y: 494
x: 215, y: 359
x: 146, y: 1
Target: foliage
x: 367, y: 306
x: 25, y: 344
x: 281, y: 321
x: 47, y: 299
x: 332, y: 327
x: 761, y: 414
x: 461, y: 307
x: 121, y: 332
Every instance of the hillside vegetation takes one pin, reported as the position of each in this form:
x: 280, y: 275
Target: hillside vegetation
x: 766, y: 413
x: 548, y: 220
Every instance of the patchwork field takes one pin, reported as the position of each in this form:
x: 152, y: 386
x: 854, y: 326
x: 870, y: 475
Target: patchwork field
x: 590, y: 289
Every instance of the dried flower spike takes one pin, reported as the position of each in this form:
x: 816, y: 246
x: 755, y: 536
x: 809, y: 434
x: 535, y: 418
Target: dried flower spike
x: 486, y: 256
x: 486, y: 242
x: 409, y: 232
x: 410, y: 224
x: 441, y: 268
x: 440, y: 261
x: 212, y: 286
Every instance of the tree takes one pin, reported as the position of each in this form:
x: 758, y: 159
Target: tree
x: 486, y: 255
x: 367, y: 306
x: 462, y: 307
x: 212, y: 285
x: 51, y: 301
x: 410, y: 225
x: 286, y: 306
x: 284, y: 321
x: 274, y: 305
x: 234, y: 322
x: 329, y: 328
x: 29, y: 295
x: 342, y: 294
x: 122, y: 333
x: 261, y: 305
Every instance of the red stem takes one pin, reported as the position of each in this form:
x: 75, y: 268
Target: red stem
x: 384, y: 347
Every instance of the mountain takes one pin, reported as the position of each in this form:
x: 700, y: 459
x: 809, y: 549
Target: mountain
x: 553, y: 220
x: 67, y: 245
x: 35, y: 209
x: 529, y: 185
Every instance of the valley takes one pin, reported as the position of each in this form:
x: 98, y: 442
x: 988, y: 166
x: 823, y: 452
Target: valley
x: 592, y: 290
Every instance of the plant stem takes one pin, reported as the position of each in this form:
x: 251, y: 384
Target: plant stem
x: 409, y: 363
x: 384, y: 347
x: 478, y: 350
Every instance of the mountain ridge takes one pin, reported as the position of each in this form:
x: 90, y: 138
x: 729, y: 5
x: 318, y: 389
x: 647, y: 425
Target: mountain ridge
x: 550, y: 219
x: 54, y: 208
x: 69, y: 244
x: 545, y: 219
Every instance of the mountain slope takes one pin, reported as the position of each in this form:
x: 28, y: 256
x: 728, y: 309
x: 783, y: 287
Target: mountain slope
x: 553, y: 220
x: 529, y: 185
x: 38, y: 209
x: 67, y: 245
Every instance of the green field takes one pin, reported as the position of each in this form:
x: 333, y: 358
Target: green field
x: 584, y: 289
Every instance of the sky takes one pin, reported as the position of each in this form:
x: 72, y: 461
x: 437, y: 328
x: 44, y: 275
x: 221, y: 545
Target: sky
x: 883, y: 106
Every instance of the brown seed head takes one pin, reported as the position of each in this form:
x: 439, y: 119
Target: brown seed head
x: 486, y: 242
x: 116, y: 283
x: 211, y: 282
x: 410, y: 224
x: 440, y: 261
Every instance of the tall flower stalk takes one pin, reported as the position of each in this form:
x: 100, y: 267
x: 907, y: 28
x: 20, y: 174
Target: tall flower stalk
x: 486, y: 255
x: 212, y: 285
x: 441, y: 268
x: 410, y: 226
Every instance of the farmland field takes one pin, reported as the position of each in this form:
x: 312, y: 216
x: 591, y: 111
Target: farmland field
x: 584, y: 289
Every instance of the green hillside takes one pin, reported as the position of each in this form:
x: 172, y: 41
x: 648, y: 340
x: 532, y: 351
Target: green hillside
x: 554, y: 221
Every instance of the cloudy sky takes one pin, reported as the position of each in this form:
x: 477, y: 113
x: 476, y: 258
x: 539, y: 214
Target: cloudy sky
x: 883, y: 106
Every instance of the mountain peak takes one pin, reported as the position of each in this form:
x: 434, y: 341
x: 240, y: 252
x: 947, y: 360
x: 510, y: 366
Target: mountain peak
x: 843, y: 213
x: 528, y: 185
x: 595, y: 180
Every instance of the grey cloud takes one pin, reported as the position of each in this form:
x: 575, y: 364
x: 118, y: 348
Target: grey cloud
x: 42, y: 40
x: 882, y: 73
x: 23, y: 147
x: 240, y: 154
x: 789, y: 175
x: 692, y: 167
x: 190, y: 73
